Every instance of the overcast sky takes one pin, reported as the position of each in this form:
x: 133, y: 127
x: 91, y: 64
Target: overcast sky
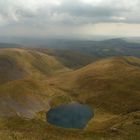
x: 46, y: 18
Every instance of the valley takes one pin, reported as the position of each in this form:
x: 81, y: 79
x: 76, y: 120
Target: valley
x: 35, y: 80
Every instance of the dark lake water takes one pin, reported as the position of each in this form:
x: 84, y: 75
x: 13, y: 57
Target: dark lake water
x: 72, y: 115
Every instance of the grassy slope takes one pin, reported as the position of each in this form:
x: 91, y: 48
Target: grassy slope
x: 114, y: 80
x: 29, y: 61
x: 72, y: 59
x: 126, y: 128
x: 23, y: 81
x: 109, y: 86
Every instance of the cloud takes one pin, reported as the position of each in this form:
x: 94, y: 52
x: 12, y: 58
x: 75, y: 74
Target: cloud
x: 80, y: 10
x: 102, y: 11
x: 46, y: 14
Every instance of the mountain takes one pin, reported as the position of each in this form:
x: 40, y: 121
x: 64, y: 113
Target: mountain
x: 16, y: 63
x: 70, y: 59
x: 111, y: 87
x: 133, y: 39
x: 112, y: 84
x: 22, y: 72
x: 76, y: 54
x: 32, y: 81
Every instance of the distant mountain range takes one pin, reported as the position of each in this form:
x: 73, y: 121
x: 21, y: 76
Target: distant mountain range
x: 78, y: 53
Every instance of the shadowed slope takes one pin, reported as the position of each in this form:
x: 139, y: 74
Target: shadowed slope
x: 23, y: 81
x: 9, y: 71
x: 17, y: 63
x: 23, y: 98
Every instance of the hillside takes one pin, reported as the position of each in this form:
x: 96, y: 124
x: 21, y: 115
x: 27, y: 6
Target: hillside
x: 22, y: 72
x: 75, y: 54
x: 78, y: 53
x: 18, y: 63
x: 110, y: 81
x: 70, y: 59
x: 109, y: 86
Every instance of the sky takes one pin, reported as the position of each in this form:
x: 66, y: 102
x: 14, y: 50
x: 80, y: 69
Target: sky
x: 48, y: 18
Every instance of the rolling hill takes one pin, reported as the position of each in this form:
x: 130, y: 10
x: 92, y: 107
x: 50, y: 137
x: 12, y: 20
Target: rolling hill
x: 22, y: 72
x: 75, y: 54
x: 33, y: 81
x: 78, y: 53
x: 112, y: 80
x: 111, y: 87
x: 70, y: 59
